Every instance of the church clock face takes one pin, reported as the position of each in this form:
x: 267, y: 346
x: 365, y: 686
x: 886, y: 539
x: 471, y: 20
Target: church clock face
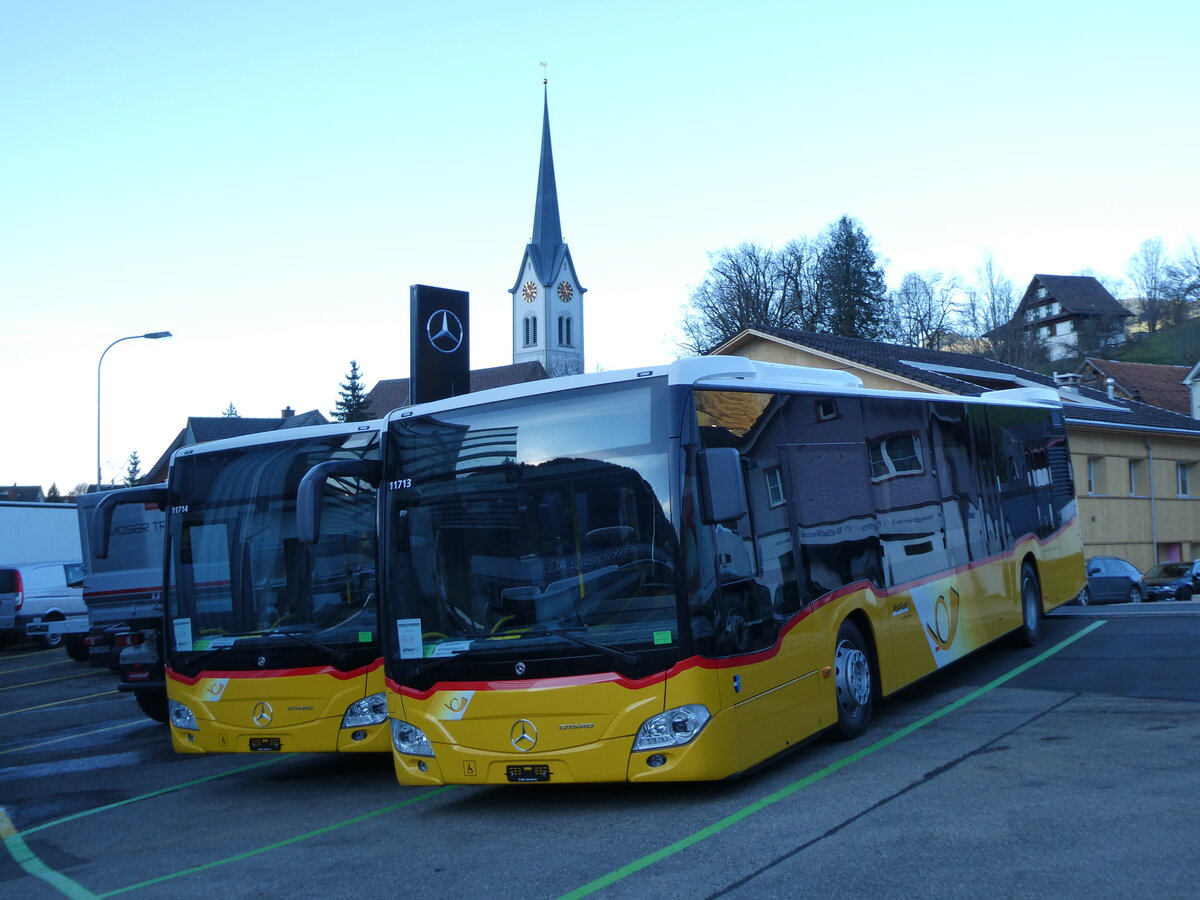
x: 529, y: 291
x: 565, y: 291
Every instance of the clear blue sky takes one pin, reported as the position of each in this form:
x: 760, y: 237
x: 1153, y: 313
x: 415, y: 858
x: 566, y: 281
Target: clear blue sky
x: 267, y: 179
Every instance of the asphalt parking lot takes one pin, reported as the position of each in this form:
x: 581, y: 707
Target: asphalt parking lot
x: 1069, y: 769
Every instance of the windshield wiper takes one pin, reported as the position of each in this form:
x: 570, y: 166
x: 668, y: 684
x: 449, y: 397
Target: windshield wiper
x: 338, y: 656
x: 429, y: 663
x: 630, y: 659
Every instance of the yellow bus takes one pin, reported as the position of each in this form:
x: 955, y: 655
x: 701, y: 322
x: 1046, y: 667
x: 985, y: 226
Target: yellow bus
x: 679, y: 573
x: 271, y: 644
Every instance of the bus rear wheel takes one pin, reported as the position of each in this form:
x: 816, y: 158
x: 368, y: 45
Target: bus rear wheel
x: 853, y: 680
x: 1030, y: 631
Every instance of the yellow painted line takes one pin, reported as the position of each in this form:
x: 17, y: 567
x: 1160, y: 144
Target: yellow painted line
x: 58, y: 662
x: 71, y: 737
x: 28, y: 860
x: 56, y: 703
x: 34, y: 653
x: 10, y: 687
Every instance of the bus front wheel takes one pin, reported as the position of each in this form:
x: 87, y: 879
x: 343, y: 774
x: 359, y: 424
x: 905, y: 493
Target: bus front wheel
x: 853, y: 681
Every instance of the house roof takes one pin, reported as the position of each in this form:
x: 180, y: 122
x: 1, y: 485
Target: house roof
x: 961, y: 373
x: 201, y: 429
x: 393, y: 393
x: 29, y: 493
x: 1078, y: 294
x: 1158, y: 385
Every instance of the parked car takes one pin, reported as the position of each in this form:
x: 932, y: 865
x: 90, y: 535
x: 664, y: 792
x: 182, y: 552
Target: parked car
x: 1112, y: 580
x: 48, y: 593
x: 1170, y: 581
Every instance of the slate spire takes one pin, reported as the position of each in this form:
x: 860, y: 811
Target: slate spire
x: 547, y: 239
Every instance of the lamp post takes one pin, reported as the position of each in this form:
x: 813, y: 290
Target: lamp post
x: 153, y: 336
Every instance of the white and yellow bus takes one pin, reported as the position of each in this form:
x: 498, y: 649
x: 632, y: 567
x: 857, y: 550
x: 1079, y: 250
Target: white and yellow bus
x: 679, y: 573
x: 271, y: 644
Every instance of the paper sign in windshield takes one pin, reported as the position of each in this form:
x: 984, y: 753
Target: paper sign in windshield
x: 183, y: 634
x: 408, y: 638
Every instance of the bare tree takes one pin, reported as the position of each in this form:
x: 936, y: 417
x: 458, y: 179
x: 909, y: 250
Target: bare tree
x: 987, y: 319
x: 744, y: 287
x: 1148, y: 272
x: 921, y: 309
x: 1181, y: 287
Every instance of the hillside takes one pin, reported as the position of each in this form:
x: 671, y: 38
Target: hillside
x: 1174, y: 347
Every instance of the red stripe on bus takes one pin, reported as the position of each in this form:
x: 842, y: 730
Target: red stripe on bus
x: 275, y: 673
x: 725, y: 662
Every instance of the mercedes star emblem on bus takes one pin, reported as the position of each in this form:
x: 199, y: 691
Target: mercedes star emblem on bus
x: 445, y: 331
x: 523, y: 735
x: 263, y: 714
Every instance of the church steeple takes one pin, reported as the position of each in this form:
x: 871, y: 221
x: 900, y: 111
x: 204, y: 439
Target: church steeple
x: 547, y: 297
x: 547, y: 227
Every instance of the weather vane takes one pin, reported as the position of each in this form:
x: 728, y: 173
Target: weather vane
x: 544, y: 78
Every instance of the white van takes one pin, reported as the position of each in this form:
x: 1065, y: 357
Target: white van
x: 48, y: 596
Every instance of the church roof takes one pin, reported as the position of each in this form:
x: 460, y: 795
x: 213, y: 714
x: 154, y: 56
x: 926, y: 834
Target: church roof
x: 546, y: 250
x: 547, y: 226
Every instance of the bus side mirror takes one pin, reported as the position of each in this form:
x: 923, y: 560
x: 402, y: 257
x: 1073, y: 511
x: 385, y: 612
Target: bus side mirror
x: 100, y: 520
x: 722, y: 489
x: 311, y: 493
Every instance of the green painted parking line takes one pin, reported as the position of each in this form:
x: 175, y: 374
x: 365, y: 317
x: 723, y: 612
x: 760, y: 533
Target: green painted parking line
x: 275, y: 846
x: 28, y: 860
x: 717, y: 827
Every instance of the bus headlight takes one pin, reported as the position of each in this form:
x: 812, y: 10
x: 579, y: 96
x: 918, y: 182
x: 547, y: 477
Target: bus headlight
x: 672, y: 728
x: 181, y: 716
x: 370, y: 710
x: 410, y: 739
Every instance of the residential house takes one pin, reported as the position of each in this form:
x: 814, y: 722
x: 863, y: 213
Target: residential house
x: 23, y: 493
x: 1068, y: 314
x: 200, y: 429
x: 392, y: 393
x: 1136, y: 467
x: 1158, y: 385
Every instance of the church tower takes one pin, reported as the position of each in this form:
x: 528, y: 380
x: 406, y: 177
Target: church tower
x: 547, y: 298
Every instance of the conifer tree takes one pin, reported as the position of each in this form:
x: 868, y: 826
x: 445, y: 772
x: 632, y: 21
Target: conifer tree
x: 352, y: 406
x: 133, y: 470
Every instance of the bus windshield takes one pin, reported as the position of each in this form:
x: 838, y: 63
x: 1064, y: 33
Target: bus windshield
x: 534, y: 527
x: 239, y: 576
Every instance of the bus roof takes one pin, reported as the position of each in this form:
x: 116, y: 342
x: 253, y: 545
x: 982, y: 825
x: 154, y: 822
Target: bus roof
x: 284, y: 435
x: 724, y: 373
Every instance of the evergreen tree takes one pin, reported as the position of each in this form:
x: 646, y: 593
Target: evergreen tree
x: 133, y: 471
x: 352, y: 407
x: 231, y: 412
x: 849, y: 282
x: 52, y: 495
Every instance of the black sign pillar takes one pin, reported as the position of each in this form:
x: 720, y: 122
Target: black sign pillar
x: 440, y: 345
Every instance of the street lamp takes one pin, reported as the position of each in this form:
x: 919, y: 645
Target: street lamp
x: 153, y: 336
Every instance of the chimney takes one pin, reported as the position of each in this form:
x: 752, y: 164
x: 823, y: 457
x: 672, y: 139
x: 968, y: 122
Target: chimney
x: 1111, y: 387
x: 287, y: 413
x: 1068, y: 381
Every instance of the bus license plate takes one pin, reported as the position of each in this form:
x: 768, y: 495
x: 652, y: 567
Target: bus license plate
x: 528, y: 773
x: 267, y: 745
